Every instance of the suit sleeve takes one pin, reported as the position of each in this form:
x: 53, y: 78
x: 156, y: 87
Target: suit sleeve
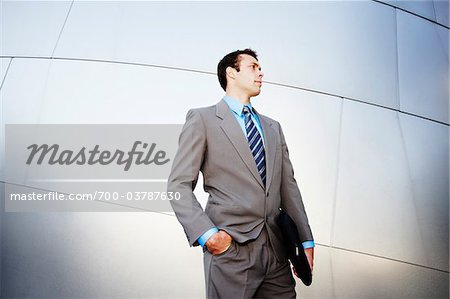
x: 291, y: 198
x: 183, y: 178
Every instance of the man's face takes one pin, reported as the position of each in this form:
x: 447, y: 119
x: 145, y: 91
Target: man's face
x: 249, y: 78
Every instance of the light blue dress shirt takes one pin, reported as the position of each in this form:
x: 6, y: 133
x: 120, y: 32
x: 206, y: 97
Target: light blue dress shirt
x: 236, y: 107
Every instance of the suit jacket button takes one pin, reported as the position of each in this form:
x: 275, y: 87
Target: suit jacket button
x: 267, y: 194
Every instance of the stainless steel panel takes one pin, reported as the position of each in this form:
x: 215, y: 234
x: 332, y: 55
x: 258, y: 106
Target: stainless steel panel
x: 424, y: 8
x: 343, y: 47
x: 56, y: 91
x: 95, y: 255
x: 423, y: 67
x: 441, y: 8
x: 344, y: 274
x: 31, y: 28
x: 379, y: 210
x: 4, y: 63
x: 427, y: 150
x: 390, y: 2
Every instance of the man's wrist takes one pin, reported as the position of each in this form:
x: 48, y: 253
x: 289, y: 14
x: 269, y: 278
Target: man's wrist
x: 204, y: 238
x: 308, y: 244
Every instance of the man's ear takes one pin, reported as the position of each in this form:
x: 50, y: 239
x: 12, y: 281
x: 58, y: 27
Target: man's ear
x: 231, y: 72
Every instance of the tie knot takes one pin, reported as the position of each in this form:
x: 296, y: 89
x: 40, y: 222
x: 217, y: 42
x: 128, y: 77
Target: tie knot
x: 246, y: 110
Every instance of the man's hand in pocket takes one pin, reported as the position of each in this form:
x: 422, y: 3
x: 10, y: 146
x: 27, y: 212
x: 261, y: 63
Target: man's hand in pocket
x: 219, y: 242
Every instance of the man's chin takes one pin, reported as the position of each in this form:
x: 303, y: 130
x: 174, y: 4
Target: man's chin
x: 257, y: 92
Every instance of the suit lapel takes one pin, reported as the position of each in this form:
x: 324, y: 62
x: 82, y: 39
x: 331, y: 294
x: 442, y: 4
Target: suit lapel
x: 234, y: 133
x: 270, y: 139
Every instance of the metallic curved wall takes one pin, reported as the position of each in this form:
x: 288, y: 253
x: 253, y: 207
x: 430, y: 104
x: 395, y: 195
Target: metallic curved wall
x: 361, y: 89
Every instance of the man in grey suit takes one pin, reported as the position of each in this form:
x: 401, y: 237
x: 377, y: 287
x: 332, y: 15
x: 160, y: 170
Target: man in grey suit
x: 247, y: 172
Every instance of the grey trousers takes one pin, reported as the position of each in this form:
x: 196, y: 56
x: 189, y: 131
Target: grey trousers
x: 248, y: 270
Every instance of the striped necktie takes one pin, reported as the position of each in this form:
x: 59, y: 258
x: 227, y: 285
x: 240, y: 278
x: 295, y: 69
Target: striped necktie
x: 256, y: 144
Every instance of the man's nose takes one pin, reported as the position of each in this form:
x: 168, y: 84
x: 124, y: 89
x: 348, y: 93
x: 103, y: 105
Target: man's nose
x: 261, y: 74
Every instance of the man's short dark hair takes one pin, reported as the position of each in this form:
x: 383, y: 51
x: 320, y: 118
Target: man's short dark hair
x: 232, y: 59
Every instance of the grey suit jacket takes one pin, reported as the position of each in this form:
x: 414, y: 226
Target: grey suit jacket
x: 212, y: 142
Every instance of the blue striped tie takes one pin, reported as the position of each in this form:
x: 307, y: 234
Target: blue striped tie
x: 256, y: 144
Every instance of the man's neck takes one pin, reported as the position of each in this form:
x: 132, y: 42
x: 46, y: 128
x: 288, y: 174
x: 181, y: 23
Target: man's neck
x: 245, y: 100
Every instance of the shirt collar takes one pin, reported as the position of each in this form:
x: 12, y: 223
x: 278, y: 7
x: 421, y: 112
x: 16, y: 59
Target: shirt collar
x: 236, y: 106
